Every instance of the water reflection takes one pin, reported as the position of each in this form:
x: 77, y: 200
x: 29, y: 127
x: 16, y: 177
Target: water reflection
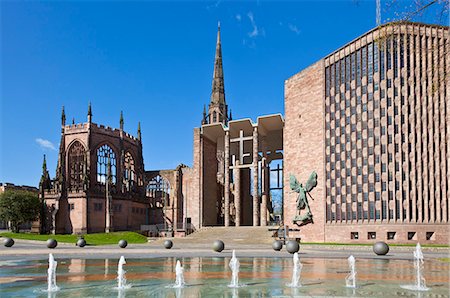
x: 77, y: 267
x: 209, y: 277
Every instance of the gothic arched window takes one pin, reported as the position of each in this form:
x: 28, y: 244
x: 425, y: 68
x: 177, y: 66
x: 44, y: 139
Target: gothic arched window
x: 214, y: 116
x: 129, y: 176
x: 105, y: 153
x: 158, y: 187
x: 76, y: 165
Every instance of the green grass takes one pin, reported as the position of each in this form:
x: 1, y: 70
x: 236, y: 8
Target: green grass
x: 91, y: 239
x: 446, y: 260
x: 370, y: 244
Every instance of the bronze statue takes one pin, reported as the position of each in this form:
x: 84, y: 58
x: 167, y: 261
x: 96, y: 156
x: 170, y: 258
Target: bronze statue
x: 302, y: 199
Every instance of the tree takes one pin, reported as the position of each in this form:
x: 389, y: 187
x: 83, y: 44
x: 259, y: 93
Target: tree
x: 435, y: 11
x: 19, y: 206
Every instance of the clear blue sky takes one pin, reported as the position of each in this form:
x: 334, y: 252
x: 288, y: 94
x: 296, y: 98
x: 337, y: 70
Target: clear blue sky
x: 154, y: 61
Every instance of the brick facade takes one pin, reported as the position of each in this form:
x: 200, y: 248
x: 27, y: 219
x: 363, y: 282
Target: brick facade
x: 372, y: 120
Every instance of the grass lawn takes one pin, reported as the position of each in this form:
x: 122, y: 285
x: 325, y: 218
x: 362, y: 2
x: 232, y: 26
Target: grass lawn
x: 91, y: 239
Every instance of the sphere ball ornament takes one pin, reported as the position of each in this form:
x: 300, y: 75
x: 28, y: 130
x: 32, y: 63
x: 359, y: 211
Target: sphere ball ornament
x: 8, y: 242
x: 168, y: 244
x: 218, y: 245
x: 81, y: 242
x: 123, y: 243
x: 292, y: 246
x: 277, y: 245
x: 52, y: 243
x: 380, y: 248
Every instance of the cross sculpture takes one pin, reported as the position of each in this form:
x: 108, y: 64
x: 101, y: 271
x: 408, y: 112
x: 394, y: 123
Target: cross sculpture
x: 241, y: 139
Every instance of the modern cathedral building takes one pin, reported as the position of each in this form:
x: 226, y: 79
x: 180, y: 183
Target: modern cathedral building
x: 371, y: 118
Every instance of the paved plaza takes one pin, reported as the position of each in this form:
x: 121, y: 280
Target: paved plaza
x: 35, y: 250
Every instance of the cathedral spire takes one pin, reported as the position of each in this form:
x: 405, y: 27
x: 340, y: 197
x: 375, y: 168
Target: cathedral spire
x: 218, y: 88
x: 139, y: 131
x: 218, y: 109
x: 121, y: 120
x: 204, y: 115
x: 89, y: 114
x: 44, y: 165
x: 63, y: 117
x: 45, y: 178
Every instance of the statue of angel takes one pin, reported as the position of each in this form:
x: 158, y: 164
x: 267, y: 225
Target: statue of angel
x: 302, y: 199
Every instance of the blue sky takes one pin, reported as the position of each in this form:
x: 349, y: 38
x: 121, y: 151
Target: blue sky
x: 154, y: 61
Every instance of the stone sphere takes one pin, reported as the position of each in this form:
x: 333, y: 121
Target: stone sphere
x: 292, y: 246
x: 52, y: 243
x: 123, y: 243
x: 168, y: 244
x: 380, y: 248
x: 218, y: 245
x: 8, y: 242
x: 81, y: 242
x: 277, y: 245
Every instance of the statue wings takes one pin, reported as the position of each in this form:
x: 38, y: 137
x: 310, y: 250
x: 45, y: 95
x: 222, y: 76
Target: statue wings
x: 295, y: 186
x: 312, y: 182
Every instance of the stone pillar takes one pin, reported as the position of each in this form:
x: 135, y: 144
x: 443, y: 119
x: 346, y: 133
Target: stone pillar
x: 265, y: 191
x: 108, y: 201
x: 255, y: 178
x: 227, y: 179
x: 237, y: 192
x: 175, y: 201
x: 108, y: 209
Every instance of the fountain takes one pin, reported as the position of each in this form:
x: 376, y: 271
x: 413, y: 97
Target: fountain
x: 350, y: 280
x: 179, y: 281
x: 51, y: 279
x: 296, y: 271
x: 121, y: 279
x: 418, y: 265
x: 210, y: 277
x: 234, y: 266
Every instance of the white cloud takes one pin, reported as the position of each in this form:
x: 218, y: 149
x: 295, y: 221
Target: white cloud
x: 238, y: 17
x: 256, y: 31
x: 45, y: 144
x: 294, y: 29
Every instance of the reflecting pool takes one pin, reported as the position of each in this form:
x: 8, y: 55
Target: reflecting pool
x: 210, y: 277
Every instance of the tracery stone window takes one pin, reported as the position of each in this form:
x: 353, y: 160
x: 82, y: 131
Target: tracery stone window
x: 77, y: 160
x: 158, y: 190
x: 129, y: 175
x: 105, y: 153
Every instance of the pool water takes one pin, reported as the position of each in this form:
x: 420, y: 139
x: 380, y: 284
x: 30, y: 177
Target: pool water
x: 210, y: 277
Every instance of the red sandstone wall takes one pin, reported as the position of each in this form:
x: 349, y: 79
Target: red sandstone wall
x: 76, y: 222
x: 303, y: 145
x: 191, y: 189
x: 209, y: 183
x: 96, y: 218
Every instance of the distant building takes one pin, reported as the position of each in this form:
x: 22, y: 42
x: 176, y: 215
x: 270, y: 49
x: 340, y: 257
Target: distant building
x: 11, y: 186
x: 372, y: 118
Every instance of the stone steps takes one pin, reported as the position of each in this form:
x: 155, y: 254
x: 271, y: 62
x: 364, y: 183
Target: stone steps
x: 231, y: 236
